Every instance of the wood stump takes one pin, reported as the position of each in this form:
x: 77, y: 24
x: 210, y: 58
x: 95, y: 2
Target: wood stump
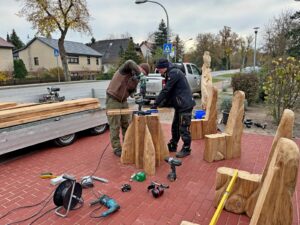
x: 144, y: 143
x: 208, y: 125
x: 228, y: 144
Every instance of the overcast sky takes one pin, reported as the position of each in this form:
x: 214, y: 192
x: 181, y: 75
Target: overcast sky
x: 187, y: 18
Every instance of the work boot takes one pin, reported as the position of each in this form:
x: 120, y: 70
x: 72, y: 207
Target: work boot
x: 118, y: 152
x: 172, y: 146
x: 185, y: 151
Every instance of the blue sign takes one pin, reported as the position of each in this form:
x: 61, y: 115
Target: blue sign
x: 167, y: 48
x: 56, y: 52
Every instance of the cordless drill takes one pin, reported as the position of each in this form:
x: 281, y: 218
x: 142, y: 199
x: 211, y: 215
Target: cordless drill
x: 173, y: 163
x: 109, y: 203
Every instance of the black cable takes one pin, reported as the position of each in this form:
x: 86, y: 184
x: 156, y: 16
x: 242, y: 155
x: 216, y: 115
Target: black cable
x: 99, y: 161
x: 92, y: 213
x: 36, y: 219
x: 33, y: 215
x: 26, y: 206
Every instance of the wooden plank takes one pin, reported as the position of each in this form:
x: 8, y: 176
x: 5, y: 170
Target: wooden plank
x: 44, y: 107
x: 44, y: 115
x: 274, y: 205
x: 22, y: 105
x: 210, y: 120
x: 112, y: 112
x: 4, y: 105
x: 149, y: 154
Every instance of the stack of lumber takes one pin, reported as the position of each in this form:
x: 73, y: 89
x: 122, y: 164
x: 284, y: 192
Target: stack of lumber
x: 13, y: 114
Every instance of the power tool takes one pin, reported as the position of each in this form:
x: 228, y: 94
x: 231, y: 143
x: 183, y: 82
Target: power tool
x: 173, y: 162
x: 157, y: 189
x: 109, y: 203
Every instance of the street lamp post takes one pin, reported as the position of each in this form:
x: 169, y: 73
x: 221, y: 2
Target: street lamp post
x: 168, y: 27
x: 254, y: 54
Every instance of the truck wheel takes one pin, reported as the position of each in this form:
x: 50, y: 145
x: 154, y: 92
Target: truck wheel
x: 99, y: 129
x: 65, y: 140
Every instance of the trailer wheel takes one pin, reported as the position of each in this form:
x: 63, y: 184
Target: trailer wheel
x: 99, y: 129
x: 65, y: 140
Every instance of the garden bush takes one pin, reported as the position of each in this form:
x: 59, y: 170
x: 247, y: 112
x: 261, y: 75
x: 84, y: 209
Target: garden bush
x: 247, y: 83
x: 282, y: 86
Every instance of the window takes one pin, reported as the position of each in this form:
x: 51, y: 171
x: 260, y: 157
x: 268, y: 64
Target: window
x: 97, y: 61
x: 73, y: 60
x: 36, y: 61
x: 89, y: 60
x: 189, y: 69
x: 195, y: 70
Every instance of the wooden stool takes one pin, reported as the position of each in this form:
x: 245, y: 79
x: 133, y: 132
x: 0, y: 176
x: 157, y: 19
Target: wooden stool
x: 144, y: 143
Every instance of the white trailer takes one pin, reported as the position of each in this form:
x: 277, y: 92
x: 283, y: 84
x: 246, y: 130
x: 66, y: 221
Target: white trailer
x: 61, y: 129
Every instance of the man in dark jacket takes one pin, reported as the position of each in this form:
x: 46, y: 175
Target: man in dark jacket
x: 176, y: 93
x: 122, y: 85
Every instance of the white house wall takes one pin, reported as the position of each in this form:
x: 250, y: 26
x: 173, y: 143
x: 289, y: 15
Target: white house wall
x: 6, y: 59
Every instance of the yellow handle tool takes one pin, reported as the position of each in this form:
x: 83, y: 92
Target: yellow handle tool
x: 217, y: 214
x: 47, y: 176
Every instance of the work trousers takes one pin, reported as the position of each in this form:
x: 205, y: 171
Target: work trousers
x: 117, y: 121
x: 181, y: 127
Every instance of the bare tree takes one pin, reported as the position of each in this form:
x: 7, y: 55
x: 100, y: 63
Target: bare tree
x: 48, y: 16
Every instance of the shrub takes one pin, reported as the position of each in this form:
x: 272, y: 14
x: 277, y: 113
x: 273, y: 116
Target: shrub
x: 226, y: 104
x: 3, y: 76
x: 20, y: 69
x: 282, y: 86
x: 247, y: 83
x: 106, y: 76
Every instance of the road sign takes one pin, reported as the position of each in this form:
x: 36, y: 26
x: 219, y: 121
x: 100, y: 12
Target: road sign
x: 167, y: 48
x: 56, y: 52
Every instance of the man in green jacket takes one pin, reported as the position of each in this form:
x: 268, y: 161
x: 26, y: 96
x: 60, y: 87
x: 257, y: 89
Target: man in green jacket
x: 122, y: 85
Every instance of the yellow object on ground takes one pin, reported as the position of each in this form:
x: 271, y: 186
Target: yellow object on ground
x: 217, y: 214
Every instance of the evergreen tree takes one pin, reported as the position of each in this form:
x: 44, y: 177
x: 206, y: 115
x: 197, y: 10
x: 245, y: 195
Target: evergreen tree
x: 160, y: 36
x: 20, y: 69
x: 178, y: 48
x: 130, y: 53
x: 15, y: 40
x: 294, y: 35
x: 7, y: 38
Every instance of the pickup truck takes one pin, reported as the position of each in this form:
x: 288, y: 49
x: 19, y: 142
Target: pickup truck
x: 155, y: 82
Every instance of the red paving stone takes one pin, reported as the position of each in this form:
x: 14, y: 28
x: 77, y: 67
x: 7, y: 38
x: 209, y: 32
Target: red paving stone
x: 189, y: 198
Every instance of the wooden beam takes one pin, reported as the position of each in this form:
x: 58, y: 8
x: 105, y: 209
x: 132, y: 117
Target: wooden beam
x: 112, y: 112
x: 4, y: 105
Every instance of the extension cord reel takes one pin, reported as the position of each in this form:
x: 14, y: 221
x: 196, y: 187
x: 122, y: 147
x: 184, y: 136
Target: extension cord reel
x: 67, y: 196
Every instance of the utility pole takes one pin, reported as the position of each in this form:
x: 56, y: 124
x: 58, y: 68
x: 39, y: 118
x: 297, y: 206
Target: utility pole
x: 254, y: 54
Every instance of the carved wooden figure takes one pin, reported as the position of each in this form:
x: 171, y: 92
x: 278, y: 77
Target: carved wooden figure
x: 283, y: 158
x: 227, y: 145
x: 208, y: 125
x: 144, y: 143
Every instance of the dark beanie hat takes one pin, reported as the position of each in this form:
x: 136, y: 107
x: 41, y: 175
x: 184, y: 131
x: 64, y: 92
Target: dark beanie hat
x: 162, y: 63
x: 145, y: 67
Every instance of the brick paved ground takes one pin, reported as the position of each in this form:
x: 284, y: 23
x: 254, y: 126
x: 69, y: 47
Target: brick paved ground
x: 189, y: 198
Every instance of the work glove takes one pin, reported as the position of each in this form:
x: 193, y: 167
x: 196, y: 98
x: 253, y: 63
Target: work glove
x: 153, y: 106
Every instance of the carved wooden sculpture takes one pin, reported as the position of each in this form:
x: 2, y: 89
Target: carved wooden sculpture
x: 208, y: 125
x: 206, y: 79
x: 144, y: 143
x: 227, y: 145
x: 249, y: 186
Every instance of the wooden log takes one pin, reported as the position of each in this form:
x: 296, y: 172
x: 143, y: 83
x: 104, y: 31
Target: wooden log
x: 274, y: 205
x: 139, y: 132
x: 164, y: 151
x: 210, y: 120
x: 215, y: 147
x: 149, y: 154
x: 234, y: 127
x: 153, y: 126
x: 245, y: 186
x: 4, y: 105
x: 128, y: 148
x: 196, y: 129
